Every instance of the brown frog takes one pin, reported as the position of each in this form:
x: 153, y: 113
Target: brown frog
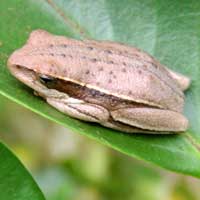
x: 110, y: 83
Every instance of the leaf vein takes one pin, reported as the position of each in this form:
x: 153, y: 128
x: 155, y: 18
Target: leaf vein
x: 73, y: 25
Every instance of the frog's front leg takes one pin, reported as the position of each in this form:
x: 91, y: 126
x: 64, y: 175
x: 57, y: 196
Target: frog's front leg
x: 80, y: 109
x: 151, y: 119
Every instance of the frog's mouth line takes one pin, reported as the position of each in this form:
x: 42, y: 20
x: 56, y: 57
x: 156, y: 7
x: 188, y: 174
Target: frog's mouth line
x: 30, y: 78
x: 23, y: 74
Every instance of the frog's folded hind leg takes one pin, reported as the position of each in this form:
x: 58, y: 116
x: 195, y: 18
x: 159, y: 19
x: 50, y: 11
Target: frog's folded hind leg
x: 91, y: 113
x: 151, y: 119
x: 80, y: 109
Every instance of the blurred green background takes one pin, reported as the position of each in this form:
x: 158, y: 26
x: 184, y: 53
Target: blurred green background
x: 70, y: 166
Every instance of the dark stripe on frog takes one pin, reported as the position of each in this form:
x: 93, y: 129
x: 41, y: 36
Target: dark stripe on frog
x: 91, y: 95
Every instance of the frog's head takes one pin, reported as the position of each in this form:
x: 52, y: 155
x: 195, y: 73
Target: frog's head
x: 34, y: 63
x: 31, y: 55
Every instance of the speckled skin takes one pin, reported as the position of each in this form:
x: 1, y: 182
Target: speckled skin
x: 114, y: 70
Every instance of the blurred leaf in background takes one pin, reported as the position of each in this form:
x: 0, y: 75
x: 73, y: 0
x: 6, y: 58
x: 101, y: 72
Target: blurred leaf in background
x: 16, y: 183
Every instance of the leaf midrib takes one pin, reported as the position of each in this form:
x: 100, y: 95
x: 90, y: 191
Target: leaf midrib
x: 75, y: 26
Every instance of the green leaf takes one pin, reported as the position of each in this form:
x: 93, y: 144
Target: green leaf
x: 16, y: 182
x: 169, y: 30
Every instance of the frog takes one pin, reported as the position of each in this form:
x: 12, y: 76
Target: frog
x: 110, y: 83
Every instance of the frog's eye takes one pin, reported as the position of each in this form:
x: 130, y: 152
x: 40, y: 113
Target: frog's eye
x: 45, y: 79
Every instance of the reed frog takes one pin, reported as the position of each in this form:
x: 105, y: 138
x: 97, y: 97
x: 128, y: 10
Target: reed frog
x: 115, y: 85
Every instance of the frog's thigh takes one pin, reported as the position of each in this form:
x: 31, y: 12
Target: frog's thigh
x: 151, y: 119
x: 84, y: 111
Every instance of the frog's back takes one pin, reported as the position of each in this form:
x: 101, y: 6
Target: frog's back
x: 108, y: 67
